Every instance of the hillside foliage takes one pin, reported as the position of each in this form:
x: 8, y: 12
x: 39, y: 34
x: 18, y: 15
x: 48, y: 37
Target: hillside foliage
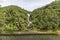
x: 14, y: 18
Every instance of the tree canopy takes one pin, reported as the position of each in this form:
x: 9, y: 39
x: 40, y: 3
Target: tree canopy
x: 14, y: 18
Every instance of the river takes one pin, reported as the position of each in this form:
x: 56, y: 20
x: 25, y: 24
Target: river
x: 30, y: 37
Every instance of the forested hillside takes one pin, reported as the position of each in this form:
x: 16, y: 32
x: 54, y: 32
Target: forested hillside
x: 47, y: 17
x: 14, y: 18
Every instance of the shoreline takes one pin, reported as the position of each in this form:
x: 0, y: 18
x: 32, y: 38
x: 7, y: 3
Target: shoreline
x: 57, y: 32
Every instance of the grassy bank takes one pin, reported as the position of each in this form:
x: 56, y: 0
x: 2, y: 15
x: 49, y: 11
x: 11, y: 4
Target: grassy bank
x: 50, y: 32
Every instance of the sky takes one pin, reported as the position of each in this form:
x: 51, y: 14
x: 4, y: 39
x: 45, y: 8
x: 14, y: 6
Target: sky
x: 29, y: 5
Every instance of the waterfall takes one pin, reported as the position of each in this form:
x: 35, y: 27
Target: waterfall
x: 28, y: 26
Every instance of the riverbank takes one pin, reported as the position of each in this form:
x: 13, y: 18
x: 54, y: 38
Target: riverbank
x: 57, y: 32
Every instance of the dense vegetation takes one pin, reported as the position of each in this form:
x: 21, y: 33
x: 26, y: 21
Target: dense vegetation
x: 14, y: 18
x: 47, y: 17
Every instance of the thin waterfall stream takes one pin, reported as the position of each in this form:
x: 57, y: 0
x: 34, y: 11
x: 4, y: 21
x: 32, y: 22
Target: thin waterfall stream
x: 29, y: 22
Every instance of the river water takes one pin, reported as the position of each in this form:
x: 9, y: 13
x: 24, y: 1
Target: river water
x: 30, y: 37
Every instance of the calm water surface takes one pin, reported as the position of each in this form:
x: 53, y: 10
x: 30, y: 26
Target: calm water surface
x: 31, y: 37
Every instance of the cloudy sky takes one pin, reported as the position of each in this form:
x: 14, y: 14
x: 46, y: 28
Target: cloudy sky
x: 26, y: 4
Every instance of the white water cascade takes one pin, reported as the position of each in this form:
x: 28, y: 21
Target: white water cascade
x: 28, y: 18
